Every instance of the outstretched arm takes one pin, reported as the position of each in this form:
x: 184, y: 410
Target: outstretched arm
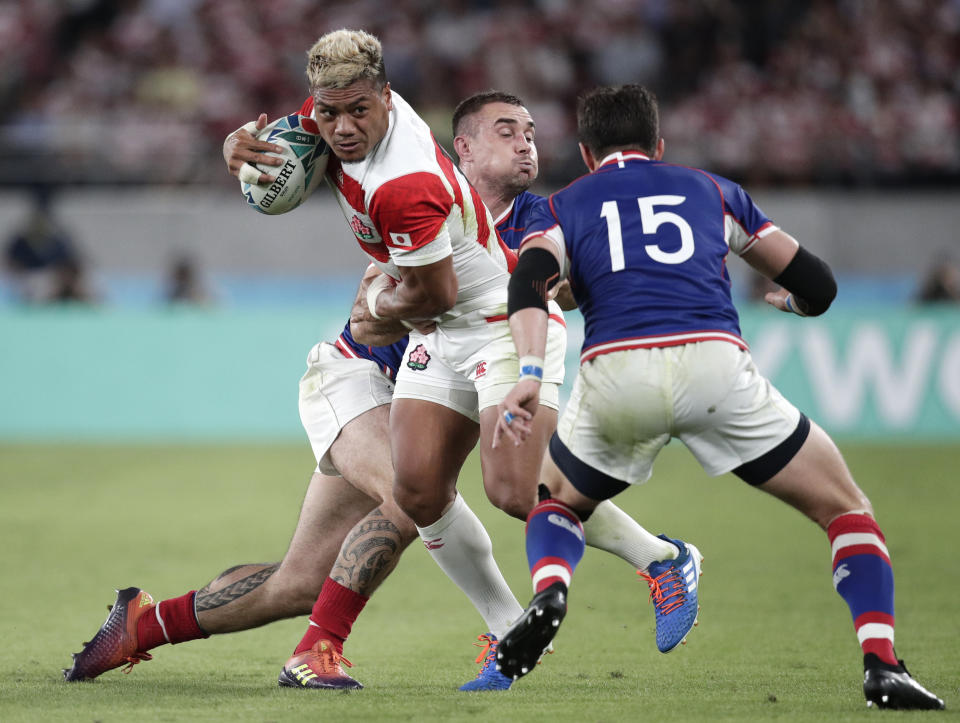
x: 536, y: 272
x: 424, y: 292
x: 808, y: 284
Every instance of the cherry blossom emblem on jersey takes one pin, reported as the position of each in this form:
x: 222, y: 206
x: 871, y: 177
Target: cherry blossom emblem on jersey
x: 360, y: 228
x: 419, y: 358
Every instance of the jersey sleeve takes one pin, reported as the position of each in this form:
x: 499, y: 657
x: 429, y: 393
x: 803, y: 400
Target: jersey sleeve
x: 744, y: 222
x: 543, y: 221
x: 307, y: 107
x: 411, y: 214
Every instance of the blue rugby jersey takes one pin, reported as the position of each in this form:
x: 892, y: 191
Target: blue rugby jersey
x: 511, y: 228
x: 388, y: 358
x: 645, y: 250
x: 512, y: 224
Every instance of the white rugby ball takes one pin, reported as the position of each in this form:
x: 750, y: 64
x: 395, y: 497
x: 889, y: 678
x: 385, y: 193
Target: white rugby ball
x: 305, y: 156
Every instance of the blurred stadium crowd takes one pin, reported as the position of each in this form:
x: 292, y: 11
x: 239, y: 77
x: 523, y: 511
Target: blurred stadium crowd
x: 851, y: 92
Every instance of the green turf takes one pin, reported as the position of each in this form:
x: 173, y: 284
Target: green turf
x: 775, y: 642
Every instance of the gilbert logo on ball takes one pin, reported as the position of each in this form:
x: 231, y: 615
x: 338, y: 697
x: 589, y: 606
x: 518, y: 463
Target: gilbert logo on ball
x: 305, y: 158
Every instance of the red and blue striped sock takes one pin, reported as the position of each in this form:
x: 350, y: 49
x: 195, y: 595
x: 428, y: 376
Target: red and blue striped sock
x: 554, y: 543
x: 863, y: 577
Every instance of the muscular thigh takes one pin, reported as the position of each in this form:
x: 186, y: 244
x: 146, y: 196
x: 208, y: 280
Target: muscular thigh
x: 361, y: 453
x: 430, y: 444
x: 334, y: 391
x: 817, y: 482
x: 331, y: 507
x: 511, y: 472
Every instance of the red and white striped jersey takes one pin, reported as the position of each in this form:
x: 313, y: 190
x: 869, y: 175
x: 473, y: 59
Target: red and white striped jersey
x: 409, y: 205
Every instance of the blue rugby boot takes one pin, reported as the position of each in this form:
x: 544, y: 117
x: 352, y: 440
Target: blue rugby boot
x: 673, y: 590
x: 489, y: 678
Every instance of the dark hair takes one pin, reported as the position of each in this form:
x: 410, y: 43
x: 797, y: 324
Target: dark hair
x: 473, y: 104
x: 612, y: 118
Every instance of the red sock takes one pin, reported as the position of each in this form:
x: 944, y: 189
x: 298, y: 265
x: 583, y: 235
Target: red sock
x: 171, y: 621
x: 334, y: 612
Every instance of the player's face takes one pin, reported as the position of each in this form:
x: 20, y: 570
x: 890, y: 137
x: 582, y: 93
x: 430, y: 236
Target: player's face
x: 354, y: 119
x: 504, y: 151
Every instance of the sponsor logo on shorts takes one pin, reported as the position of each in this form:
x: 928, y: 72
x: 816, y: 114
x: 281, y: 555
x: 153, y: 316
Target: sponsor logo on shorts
x: 481, y: 369
x: 434, y: 544
x: 561, y: 521
x: 419, y: 358
x: 360, y: 228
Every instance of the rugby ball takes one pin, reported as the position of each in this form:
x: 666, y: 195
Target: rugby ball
x: 305, y: 158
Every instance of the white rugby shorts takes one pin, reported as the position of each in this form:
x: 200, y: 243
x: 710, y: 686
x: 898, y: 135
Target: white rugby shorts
x: 470, y: 364
x: 334, y: 390
x: 626, y: 405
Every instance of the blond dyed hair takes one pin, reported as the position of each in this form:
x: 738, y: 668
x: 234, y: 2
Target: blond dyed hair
x: 342, y: 57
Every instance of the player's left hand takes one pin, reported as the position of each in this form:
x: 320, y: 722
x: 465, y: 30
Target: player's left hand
x: 563, y: 295
x: 515, y: 412
x: 784, y: 301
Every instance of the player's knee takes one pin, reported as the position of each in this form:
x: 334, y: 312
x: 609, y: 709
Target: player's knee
x: 422, y: 505
x: 406, y: 529
x: 514, y: 501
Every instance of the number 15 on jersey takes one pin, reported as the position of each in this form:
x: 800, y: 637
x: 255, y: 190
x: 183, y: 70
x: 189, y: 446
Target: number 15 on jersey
x: 650, y: 219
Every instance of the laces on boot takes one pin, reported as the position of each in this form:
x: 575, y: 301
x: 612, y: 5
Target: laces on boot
x: 488, y: 655
x: 329, y: 658
x: 134, y: 659
x: 666, y: 590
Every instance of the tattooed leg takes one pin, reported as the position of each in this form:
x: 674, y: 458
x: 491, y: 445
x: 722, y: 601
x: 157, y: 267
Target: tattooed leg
x: 255, y: 594
x: 233, y: 584
x: 372, y: 549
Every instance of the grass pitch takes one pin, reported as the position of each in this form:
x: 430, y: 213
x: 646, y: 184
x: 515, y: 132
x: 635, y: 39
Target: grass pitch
x: 774, y: 643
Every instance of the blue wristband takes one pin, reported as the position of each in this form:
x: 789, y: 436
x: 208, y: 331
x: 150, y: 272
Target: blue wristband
x: 789, y: 303
x: 531, y: 367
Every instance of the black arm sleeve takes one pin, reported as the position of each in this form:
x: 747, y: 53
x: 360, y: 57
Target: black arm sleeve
x: 536, y: 272
x: 810, y: 281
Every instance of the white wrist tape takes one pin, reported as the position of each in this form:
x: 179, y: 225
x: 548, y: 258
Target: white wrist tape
x: 377, y: 287
x: 531, y: 367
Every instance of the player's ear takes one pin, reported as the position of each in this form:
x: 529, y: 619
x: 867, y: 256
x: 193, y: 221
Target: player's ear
x: 387, y: 96
x: 658, y: 154
x: 462, y: 146
x: 587, y: 155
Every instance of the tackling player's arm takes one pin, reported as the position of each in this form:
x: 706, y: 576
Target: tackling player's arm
x: 363, y: 327
x: 411, y: 213
x: 423, y: 293
x: 808, y: 284
x: 537, y: 271
x: 240, y: 147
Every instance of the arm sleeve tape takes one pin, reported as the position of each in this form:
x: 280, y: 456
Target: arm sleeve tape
x: 536, y: 272
x: 810, y: 281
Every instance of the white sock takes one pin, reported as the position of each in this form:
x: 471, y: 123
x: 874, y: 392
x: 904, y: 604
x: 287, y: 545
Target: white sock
x: 461, y: 547
x: 610, y: 528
